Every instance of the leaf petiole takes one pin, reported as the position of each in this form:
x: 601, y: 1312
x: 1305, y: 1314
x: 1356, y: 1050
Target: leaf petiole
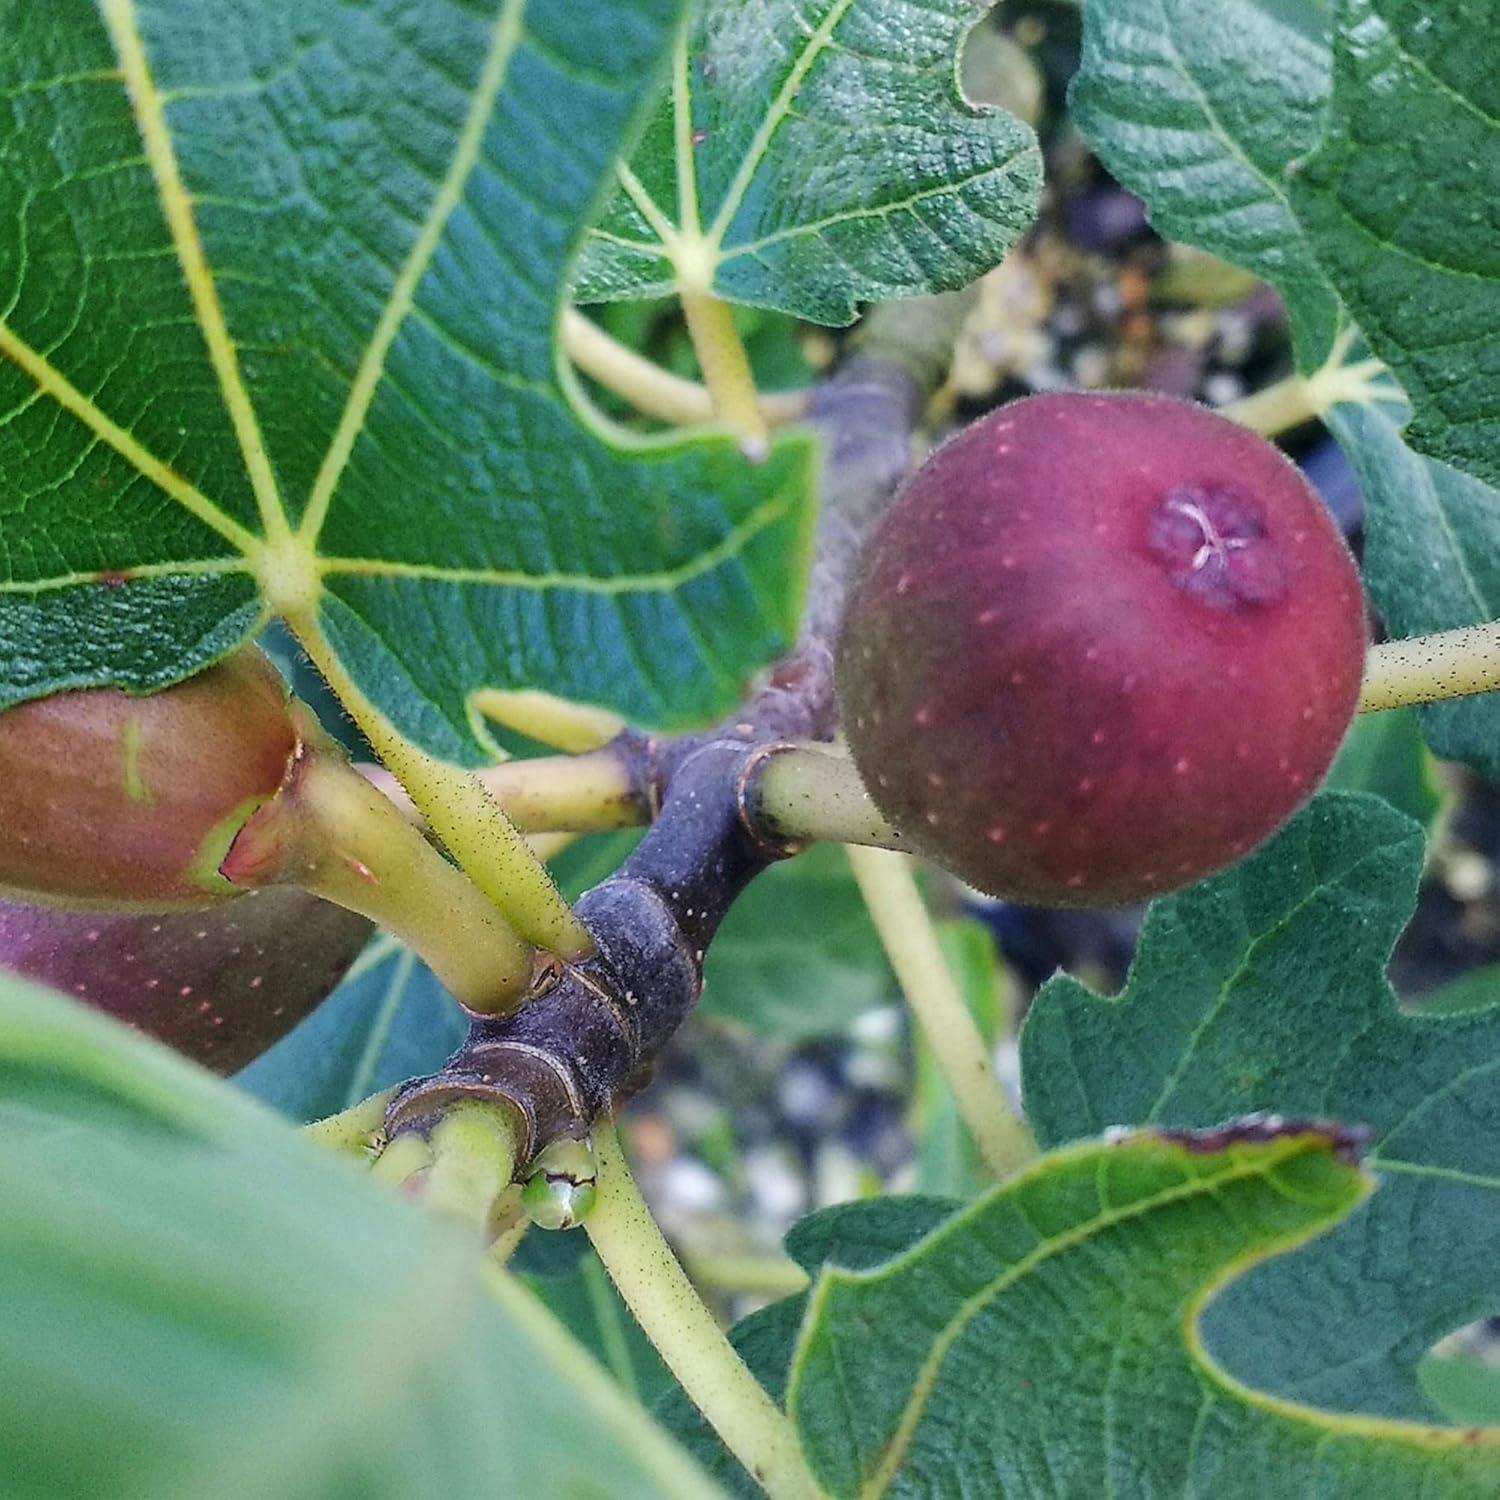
x: 726, y: 368
x: 654, y: 391
x: 1299, y: 399
x: 332, y: 833
x: 658, y: 1293
x: 905, y: 927
x: 1432, y: 668
x: 473, y: 1159
x: 354, y: 1129
x: 556, y: 722
x: 460, y: 811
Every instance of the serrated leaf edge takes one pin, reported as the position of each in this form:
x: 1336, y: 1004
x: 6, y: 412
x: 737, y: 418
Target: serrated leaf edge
x: 694, y: 253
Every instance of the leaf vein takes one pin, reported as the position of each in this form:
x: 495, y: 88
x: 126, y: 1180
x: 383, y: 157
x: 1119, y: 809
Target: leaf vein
x: 877, y: 211
x: 505, y: 38
x: 818, y: 38
x: 1106, y: 1218
x: 177, y: 208
x: 667, y: 580
x: 49, y: 380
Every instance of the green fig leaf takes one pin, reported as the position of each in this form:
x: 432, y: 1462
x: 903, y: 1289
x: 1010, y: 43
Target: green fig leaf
x: 1046, y: 1339
x: 811, y: 156
x: 199, y: 1302
x: 279, y: 297
x: 856, y: 1235
x: 1199, y: 109
x: 1264, y: 989
x: 1399, y: 201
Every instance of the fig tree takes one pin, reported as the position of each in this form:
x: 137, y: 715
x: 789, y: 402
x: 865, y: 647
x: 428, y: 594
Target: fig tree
x: 1099, y: 647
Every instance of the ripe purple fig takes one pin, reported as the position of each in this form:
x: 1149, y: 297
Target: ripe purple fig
x: 1101, y: 646
x: 109, y: 801
x: 220, y: 985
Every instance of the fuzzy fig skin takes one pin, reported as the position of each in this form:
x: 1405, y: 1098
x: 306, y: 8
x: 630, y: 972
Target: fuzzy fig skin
x: 114, y: 802
x: 1101, y: 646
x: 219, y: 986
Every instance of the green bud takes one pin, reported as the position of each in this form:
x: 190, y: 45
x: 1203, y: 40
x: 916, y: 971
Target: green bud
x: 562, y: 1186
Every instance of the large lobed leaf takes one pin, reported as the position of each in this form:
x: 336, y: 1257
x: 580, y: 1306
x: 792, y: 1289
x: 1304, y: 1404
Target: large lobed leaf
x: 813, y: 154
x: 1346, y: 152
x: 199, y: 1303
x: 279, y: 287
x: 1045, y: 1339
x: 853, y: 1235
x: 1264, y: 989
x: 1199, y: 109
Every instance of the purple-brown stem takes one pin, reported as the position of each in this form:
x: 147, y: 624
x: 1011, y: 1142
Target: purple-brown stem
x: 590, y: 1032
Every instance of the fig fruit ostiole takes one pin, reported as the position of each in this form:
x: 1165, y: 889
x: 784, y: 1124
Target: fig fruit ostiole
x: 1101, y: 646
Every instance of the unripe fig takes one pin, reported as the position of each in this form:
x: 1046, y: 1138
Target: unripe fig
x: 1101, y: 646
x: 219, y: 985
x: 109, y: 801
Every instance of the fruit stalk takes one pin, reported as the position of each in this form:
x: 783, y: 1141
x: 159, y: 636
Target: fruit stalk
x: 462, y: 814
x: 906, y: 932
x: 804, y: 793
x: 593, y: 792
